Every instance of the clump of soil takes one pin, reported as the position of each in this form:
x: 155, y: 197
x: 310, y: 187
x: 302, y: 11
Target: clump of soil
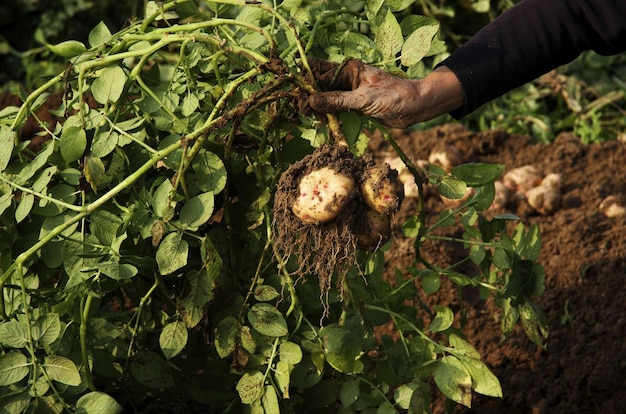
x: 324, y: 249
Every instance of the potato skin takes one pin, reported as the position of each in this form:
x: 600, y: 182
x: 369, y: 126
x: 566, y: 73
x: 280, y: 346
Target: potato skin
x: 374, y: 231
x: 322, y: 195
x: 381, y: 190
x: 522, y: 179
x: 545, y: 199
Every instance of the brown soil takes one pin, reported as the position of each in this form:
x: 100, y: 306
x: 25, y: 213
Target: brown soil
x: 583, y: 369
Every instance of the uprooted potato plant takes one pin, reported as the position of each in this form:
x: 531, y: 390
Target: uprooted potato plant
x: 159, y: 250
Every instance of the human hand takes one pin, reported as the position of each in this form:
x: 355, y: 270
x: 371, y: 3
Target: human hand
x: 395, y: 102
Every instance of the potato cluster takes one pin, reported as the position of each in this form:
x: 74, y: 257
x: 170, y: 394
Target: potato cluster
x: 330, y: 204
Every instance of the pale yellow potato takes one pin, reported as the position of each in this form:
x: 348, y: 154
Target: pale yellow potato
x: 322, y: 195
x: 381, y: 191
x: 446, y: 158
x: 545, y: 199
x: 374, y: 231
x: 611, y: 208
x: 522, y: 179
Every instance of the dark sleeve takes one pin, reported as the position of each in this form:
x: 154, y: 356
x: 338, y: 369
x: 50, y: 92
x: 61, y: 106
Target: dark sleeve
x: 529, y: 40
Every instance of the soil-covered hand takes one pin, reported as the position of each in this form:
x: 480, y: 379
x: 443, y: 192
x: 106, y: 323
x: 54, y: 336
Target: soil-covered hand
x: 395, y: 102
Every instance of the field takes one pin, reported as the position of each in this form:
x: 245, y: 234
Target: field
x: 582, y: 370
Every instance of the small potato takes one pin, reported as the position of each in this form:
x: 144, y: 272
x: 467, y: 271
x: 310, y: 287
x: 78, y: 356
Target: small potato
x: 611, y: 208
x: 446, y: 158
x: 545, y: 199
x: 501, y: 198
x: 554, y: 180
x: 322, y: 195
x: 374, y: 231
x: 522, y: 179
x: 381, y: 190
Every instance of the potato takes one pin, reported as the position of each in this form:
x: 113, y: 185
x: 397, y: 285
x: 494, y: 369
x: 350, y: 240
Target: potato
x: 381, y: 190
x: 447, y: 158
x: 522, y: 179
x: 611, y: 208
x: 374, y: 231
x: 545, y: 199
x: 501, y: 198
x: 322, y: 195
x: 554, y: 180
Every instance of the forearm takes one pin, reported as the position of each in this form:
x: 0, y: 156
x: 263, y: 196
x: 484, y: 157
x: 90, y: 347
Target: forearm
x: 530, y: 39
x: 438, y: 93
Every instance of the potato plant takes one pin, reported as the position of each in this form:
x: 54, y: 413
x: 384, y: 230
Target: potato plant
x: 138, y: 255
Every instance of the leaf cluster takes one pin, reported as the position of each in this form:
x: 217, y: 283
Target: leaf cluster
x: 136, y: 250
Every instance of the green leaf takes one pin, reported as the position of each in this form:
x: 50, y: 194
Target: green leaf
x: 97, y: 402
x: 197, y: 211
x: 189, y: 105
x: 443, y: 319
x: 24, y: 207
x: 94, y: 171
x: 527, y: 279
x: 199, y: 291
x: 534, y: 322
x: 270, y: 400
x: 173, y: 339
x: 452, y: 188
x: 109, y: 85
x: 210, y: 172
x: 418, y: 44
x: 290, y: 353
x: 14, y: 367
x: 117, y: 270
x: 453, y: 380
x: 7, y: 141
x: 349, y: 392
x: 342, y: 348
x: 99, y: 35
x: 47, y: 328
x: 61, y: 369
x: 161, y: 203
x: 151, y: 370
x: 431, y: 283
x: 72, y: 143
x: 267, y: 320
x: 226, y: 336
x: 265, y: 293
x: 389, y: 36
x: 411, y: 227
x: 386, y: 408
x: 68, y: 49
x: 13, y: 334
x: 483, y: 380
x: 476, y: 174
x: 403, y: 396
x: 250, y: 386
x: 104, y: 225
x: 172, y: 253
x: 282, y: 375
x: 32, y: 167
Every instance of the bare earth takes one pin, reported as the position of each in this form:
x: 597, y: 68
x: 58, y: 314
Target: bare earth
x: 583, y: 369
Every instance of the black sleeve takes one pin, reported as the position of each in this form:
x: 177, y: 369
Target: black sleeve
x: 529, y: 40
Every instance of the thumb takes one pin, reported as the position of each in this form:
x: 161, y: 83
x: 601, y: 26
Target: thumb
x: 336, y: 101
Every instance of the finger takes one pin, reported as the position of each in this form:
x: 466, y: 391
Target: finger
x: 333, y: 75
x: 336, y: 101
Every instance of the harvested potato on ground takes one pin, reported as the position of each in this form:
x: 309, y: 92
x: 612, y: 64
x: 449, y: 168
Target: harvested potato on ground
x: 553, y: 179
x: 522, y: 179
x: 501, y: 197
x: 381, y: 190
x: 374, y: 231
x: 611, y: 207
x: 456, y: 202
x: 322, y: 196
x: 545, y: 199
x: 447, y: 158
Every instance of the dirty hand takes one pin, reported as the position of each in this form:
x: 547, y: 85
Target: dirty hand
x: 394, y: 101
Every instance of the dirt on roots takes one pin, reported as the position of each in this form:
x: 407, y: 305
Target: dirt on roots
x: 583, y: 369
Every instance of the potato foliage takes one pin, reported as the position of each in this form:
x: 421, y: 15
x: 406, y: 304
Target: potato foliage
x: 137, y: 265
